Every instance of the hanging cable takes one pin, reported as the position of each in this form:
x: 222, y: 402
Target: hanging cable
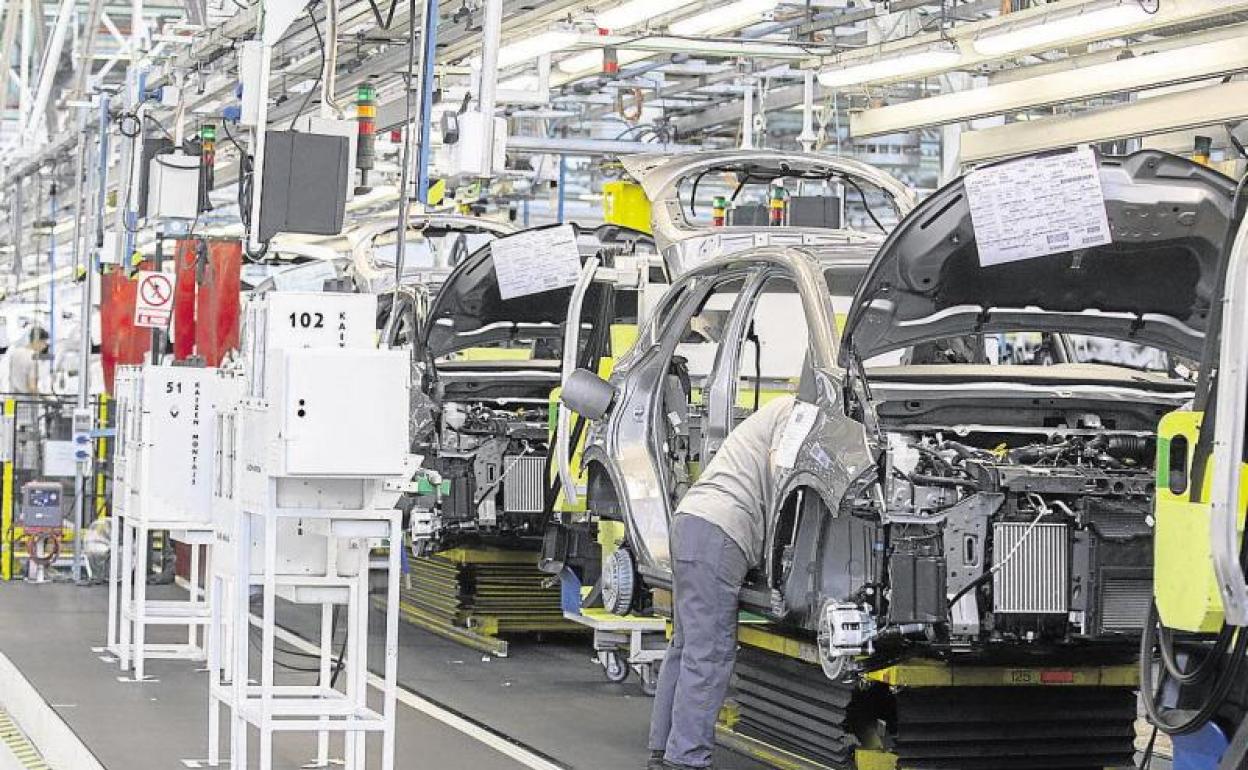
x: 405, y: 194
x: 394, y: 4
x: 320, y: 39
x: 329, y: 61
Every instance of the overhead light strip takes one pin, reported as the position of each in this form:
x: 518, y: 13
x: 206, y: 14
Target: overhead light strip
x: 1193, y: 108
x: 1126, y: 75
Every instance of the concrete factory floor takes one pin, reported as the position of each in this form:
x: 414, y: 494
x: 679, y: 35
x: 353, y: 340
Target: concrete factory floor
x: 547, y: 706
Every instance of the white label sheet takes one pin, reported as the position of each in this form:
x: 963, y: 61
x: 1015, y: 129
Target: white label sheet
x: 1032, y: 207
x: 536, y: 261
x: 801, y: 420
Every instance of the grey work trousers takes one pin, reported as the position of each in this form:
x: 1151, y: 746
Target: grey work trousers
x: 708, y: 570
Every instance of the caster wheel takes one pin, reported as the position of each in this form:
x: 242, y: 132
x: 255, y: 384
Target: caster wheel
x: 650, y: 679
x: 615, y: 668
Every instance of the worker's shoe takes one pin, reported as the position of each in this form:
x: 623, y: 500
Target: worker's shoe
x: 656, y: 761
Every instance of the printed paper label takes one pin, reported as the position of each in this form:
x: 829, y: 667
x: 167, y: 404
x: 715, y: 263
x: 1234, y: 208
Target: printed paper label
x: 1033, y: 207
x: 536, y: 261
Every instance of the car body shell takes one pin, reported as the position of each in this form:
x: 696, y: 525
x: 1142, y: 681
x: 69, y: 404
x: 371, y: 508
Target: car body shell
x: 686, y: 246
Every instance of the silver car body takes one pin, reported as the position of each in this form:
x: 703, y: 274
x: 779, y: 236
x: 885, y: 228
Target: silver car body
x: 627, y: 444
x: 686, y: 246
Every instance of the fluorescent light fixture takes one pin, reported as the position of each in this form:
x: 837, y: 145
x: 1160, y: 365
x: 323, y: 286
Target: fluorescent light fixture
x: 900, y: 66
x: 634, y: 12
x: 723, y: 18
x: 532, y: 47
x: 519, y: 83
x: 591, y: 61
x: 1053, y: 30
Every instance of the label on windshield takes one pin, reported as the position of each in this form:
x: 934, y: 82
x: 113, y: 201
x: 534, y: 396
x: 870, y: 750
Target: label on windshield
x: 1033, y: 207
x: 536, y: 261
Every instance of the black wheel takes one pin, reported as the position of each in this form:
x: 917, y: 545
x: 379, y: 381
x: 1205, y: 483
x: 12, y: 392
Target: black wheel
x: 650, y: 678
x: 614, y: 667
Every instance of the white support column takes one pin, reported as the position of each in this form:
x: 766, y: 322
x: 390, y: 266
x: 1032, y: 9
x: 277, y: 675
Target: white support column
x: 747, y: 116
x: 47, y: 73
x: 807, y: 137
x: 12, y: 11
x: 491, y: 37
x: 25, y: 53
x: 951, y: 134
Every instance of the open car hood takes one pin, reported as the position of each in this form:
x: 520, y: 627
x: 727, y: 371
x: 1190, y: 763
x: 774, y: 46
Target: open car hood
x: 1154, y: 284
x: 470, y: 312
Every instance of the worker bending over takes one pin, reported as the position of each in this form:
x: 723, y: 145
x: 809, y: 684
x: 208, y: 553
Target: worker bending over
x: 716, y: 538
x: 23, y: 366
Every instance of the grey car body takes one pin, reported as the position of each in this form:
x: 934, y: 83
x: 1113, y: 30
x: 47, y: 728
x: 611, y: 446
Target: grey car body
x: 481, y: 420
x: 891, y: 515
x: 686, y: 245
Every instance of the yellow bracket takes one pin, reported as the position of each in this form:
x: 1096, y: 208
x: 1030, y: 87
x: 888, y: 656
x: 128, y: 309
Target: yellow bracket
x: 6, y: 505
x: 923, y: 673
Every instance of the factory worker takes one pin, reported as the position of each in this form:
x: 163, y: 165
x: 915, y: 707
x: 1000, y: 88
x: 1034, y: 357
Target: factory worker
x: 716, y: 537
x: 23, y: 363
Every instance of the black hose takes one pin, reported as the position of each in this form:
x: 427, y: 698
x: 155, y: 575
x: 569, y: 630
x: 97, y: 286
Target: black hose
x: 1202, y: 671
x: 926, y: 479
x: 976, y: 583
x: 1207, y: 378
x: 1217, y: 696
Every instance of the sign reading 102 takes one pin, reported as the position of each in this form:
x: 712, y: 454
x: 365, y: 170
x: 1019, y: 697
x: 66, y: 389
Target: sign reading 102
x: 307, y: 320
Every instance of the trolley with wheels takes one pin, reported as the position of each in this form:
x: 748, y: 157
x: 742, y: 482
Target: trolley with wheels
x: 624, y: 643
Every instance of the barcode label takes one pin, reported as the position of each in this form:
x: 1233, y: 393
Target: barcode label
x: 1037, y: 206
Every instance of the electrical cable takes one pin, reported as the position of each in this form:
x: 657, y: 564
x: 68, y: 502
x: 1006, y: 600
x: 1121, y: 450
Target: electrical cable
x: 865, y: 205
x: 246, y: 173
x: 400, y: 241
x: 1044, y: 510
x: 394, y: 4
x: 1146, y: 761
x: 1150, y: 10
x: 1238, y: 145
x: 320, y: 73
x: 1206, y: 380
x: 1194, y: 719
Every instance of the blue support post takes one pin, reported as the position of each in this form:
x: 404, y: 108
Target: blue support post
x: 563, y: 193
x: 427, y: 61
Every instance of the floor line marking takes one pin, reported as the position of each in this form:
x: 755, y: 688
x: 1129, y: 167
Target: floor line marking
x: 50, y: 734
x: 446, y: 717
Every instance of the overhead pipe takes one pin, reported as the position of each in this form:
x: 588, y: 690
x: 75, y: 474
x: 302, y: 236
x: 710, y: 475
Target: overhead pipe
x: 808, y: 137
x: 329, y: 75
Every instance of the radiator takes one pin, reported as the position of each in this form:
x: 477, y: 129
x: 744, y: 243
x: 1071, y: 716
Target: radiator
x: 1036, y: 579
x: 524, y: 489
x: 1124, y: 603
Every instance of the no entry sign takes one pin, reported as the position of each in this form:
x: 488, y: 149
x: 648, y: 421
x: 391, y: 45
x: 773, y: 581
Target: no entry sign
x: 153, y: 304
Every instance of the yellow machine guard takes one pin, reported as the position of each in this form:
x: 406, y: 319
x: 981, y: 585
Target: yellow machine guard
x: 1185, y: 587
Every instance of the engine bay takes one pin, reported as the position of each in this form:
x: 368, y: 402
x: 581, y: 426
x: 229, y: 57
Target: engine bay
x: 1004, y: 538
x: 488, y: 439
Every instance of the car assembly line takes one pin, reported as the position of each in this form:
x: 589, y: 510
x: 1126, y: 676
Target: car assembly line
x: 608, y: 384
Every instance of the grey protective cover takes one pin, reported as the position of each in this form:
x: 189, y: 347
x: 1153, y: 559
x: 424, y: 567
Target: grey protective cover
x: 305, y: 184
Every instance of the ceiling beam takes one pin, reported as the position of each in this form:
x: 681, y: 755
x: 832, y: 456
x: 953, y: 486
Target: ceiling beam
x: 1192, y: 108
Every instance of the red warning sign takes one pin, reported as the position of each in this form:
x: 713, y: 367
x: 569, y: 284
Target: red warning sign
x: 153, y: 306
